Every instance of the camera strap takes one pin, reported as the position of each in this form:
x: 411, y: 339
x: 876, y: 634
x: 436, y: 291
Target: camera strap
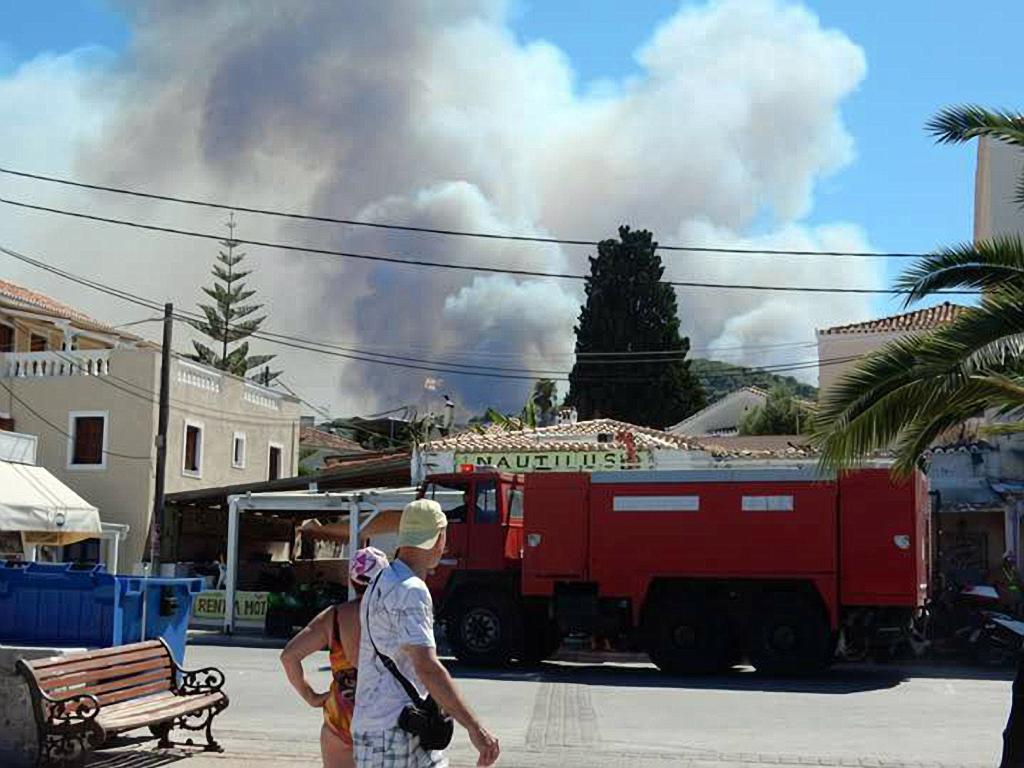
x: 388, y: 663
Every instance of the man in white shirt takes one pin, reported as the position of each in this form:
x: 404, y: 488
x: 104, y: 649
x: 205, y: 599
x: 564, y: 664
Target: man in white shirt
x: 397, y: 615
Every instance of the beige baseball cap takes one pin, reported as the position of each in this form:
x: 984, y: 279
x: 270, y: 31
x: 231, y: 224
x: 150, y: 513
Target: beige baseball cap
x: 421, y: 524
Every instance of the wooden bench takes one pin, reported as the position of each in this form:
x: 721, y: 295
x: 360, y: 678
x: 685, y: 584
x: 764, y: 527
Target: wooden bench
x: 82, y: 699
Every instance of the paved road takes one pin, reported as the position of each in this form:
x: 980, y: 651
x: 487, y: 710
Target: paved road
x: 587, y: 714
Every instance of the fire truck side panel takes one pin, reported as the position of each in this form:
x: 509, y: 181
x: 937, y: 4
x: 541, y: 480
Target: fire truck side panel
x: 725, y: 525
x: 555, y: 531
x: 883, y: 540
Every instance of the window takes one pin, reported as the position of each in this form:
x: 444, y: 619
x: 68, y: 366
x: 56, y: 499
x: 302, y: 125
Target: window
x: 87, y: 440
x: 767, y: 503
x: 487, y: 503
x: 452, y: 500
x: 38, y: 343
x: 276, y: 451
x: 6, y: 338
x: 238, y: 451
x: 656, y: 504
x: 515, y: 504
x: 192, y: 450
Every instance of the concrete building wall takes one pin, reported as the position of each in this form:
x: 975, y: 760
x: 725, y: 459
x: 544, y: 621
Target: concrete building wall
x: 996, y: 211
x: 222, y: 407
x: 724, y: 415
x: 121, y: 488
x: 834, y: 349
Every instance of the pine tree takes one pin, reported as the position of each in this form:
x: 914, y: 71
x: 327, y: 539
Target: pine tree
x: 230, y: 320
x: 630, y: 310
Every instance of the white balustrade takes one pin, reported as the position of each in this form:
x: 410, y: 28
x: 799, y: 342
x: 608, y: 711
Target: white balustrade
x: 52, y: 364
x: 198, y: 376
x: 264, y: 398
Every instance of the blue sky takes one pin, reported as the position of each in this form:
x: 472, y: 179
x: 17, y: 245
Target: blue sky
x: 906, y: 192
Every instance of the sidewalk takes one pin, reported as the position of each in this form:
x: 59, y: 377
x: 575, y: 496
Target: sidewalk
x: 289, y: 756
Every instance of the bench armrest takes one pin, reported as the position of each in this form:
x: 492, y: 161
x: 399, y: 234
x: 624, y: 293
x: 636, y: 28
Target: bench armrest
x: 69, y: 710
x: 205, y: 680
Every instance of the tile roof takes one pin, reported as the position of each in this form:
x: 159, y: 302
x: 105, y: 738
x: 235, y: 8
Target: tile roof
x: 581, y: 436
x: 919, y: 320
x: 757, y: 446
x: 41, y: 302
x: 311, y: 437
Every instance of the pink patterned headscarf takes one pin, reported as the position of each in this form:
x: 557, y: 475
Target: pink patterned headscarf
x: 366, y: 564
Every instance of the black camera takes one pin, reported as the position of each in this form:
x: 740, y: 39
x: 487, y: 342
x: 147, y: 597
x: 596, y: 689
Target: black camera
x: 426, y: 720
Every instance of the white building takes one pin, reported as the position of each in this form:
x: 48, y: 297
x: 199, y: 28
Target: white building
x: 90, y: 394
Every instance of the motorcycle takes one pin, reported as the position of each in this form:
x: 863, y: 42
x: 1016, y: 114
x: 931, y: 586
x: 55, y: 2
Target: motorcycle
x: 968, y: 622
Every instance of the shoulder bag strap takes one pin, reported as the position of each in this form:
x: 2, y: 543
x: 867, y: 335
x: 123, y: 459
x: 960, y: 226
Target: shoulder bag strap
x: 388, y: 663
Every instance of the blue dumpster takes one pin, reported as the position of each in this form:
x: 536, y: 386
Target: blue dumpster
x: 61, y: 605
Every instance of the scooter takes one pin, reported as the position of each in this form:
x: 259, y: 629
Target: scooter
x: 967, y: 623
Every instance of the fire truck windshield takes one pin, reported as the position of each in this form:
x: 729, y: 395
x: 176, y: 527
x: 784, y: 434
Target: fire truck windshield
x: 452, y: 499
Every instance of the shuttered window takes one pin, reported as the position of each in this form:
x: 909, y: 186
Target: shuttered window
x: 88, y: 440
x: 193, y: 458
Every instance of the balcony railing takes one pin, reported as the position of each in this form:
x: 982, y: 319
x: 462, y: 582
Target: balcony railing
x: 53, y: 364
x: 198, y: 376
x: 262, y: 397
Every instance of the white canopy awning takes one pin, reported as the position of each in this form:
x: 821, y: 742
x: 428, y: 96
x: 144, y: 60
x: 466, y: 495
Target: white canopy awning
x: 38, y: 505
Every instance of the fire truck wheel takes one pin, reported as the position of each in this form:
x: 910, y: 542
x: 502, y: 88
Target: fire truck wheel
x: 688, y: 637
x: 483, y: 628
x: 789, y: 636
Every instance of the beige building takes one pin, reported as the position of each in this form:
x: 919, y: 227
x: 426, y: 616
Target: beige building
x: 840, y: 348
x: 996, y: 210
x: 89, y: 393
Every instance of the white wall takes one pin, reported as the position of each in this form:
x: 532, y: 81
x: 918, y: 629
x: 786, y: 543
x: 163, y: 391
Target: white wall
x: 995, y: 210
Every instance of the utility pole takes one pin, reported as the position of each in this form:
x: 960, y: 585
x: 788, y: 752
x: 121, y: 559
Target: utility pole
x: 161, y: 438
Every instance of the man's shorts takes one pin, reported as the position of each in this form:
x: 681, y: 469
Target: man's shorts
x: 394, y: 748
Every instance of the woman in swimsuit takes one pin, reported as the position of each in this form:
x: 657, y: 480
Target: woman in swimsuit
x: 337, y: 629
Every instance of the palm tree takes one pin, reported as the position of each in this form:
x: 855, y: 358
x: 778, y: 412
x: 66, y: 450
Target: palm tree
x: 913, y: 390
x: 543, y: 397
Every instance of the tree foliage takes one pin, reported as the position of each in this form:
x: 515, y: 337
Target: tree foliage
x: 229, y: 319
x: 782, y: 414
x: 910, y: 392
x: 630, y: 310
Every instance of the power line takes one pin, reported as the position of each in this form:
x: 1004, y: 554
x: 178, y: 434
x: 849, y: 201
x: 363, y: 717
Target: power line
x: 326, y: 348
x: 438, y: 231
x: 476, y: 268
x: 62, y: 432
x: 508, y: 354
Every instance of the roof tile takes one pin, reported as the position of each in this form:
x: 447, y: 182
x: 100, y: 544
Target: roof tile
x: 560, y: 438
x: 311, y: 437
x: 919, y: 320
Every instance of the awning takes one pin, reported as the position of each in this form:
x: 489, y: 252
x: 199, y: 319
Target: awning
x: 38, y: 505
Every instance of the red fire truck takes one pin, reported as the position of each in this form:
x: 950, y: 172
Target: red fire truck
x: 701, y: 568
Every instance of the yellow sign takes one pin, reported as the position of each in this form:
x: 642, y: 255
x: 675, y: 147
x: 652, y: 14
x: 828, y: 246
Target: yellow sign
x: 553, y: 461
x: 250, y: 607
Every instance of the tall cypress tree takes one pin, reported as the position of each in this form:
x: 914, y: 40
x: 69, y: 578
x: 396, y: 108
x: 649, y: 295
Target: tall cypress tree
x: 229, y: 320
x: 630, y: 310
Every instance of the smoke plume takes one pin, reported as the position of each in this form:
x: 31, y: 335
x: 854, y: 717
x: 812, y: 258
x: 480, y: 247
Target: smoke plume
x: 436, y: 114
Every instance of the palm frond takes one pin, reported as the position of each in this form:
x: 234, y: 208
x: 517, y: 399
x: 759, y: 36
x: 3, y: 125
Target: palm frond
x: 911, y: 390
x: 989, y: 264
x: 1006, y: 428
x: 955, y: 125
